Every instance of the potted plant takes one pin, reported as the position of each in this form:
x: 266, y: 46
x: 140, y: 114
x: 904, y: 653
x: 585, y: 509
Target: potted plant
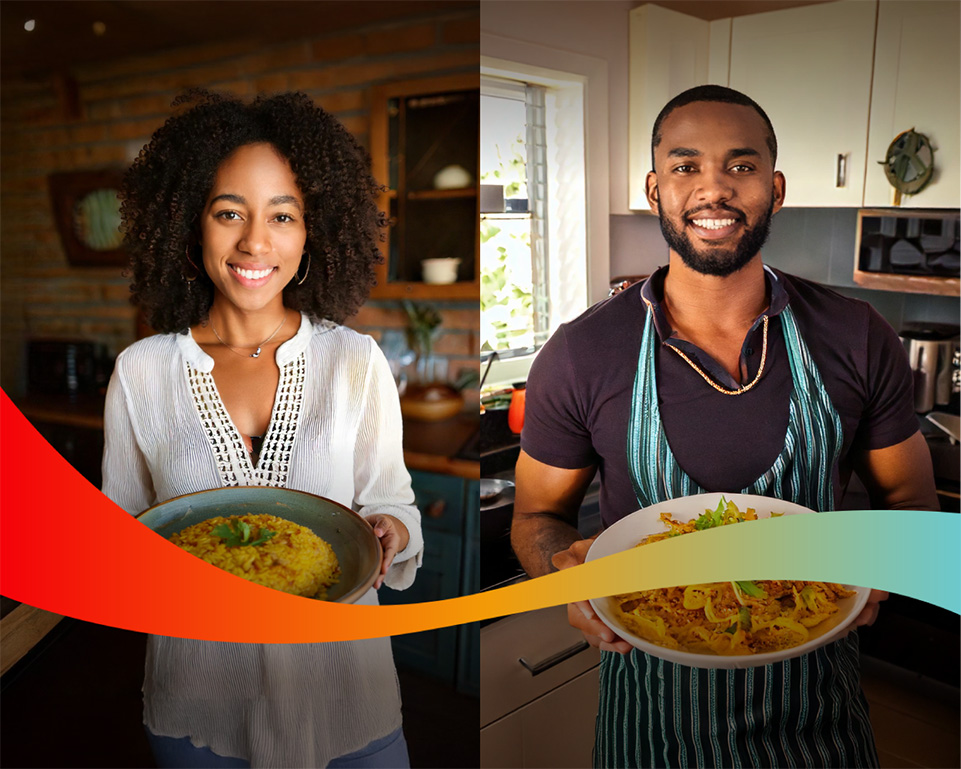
x: 425, y: 399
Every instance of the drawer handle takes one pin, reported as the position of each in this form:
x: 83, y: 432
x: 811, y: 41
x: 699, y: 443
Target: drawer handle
x: 539, y: 667
x: 436, y: 508
x: 841, y: 179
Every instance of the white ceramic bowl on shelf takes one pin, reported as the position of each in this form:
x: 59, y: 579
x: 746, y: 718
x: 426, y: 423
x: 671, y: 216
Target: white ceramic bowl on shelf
x: 439, y: 271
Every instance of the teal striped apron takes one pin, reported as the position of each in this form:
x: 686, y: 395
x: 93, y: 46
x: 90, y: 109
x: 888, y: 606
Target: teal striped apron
x: 805, y: 712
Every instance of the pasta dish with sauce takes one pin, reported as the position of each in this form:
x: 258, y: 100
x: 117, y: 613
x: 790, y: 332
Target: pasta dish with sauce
x: 727, y: 618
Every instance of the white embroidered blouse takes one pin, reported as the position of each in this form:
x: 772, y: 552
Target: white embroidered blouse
x: 335, y: 430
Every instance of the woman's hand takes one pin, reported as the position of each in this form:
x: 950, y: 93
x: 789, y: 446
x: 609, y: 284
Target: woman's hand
x: 580, y: 614
x: 393, y: 536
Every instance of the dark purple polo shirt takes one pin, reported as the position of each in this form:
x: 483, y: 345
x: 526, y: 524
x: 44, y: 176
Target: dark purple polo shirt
x: 579, y: 391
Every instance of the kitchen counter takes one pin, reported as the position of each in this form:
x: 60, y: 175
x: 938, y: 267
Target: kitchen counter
x: 21, y: 628
x: 76, y: 411
x: 447, y: 446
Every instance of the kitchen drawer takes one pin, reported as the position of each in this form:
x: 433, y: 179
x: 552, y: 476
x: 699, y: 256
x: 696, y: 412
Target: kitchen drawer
x: 556, y: 730
x: 536, y: 636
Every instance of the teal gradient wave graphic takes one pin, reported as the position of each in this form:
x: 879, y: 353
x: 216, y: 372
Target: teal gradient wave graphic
x: 914, y: 553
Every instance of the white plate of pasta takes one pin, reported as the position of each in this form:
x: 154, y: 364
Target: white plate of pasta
x: 724, y: 624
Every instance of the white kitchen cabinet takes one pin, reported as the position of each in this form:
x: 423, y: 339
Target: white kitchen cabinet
x: 550, y: 732
x: 670, y: 52
x: 810, y: 70
x: 839, y: 81
x: 539, y: 690
x: 917, y: 80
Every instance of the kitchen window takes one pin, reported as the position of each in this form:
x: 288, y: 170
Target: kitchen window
x: 533, y: 222
x: 514, y: 271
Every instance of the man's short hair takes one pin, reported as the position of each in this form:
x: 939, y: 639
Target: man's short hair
x: 712, y: 93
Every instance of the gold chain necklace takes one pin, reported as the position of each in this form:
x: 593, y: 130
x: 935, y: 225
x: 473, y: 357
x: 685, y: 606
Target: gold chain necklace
x: 723, y: 390
x: 254, y: 354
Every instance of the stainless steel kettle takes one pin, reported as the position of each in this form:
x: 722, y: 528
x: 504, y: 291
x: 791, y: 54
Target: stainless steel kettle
x: 930, y: 355
x: 948, y: 385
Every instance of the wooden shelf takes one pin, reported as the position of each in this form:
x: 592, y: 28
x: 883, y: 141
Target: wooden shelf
x: 939, y: 285
x: 911, y: 284
x: 460, y: 192
x: 465, y: 289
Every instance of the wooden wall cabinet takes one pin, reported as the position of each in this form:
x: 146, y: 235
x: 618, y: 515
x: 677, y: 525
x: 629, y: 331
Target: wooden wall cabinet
x: 418, y: 129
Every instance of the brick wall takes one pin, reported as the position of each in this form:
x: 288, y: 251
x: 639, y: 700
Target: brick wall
x: 456, y: 342
x: 121, y: 103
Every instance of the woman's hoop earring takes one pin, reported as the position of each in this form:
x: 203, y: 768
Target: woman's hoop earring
x: 301, y: 281
x: 189, y: 279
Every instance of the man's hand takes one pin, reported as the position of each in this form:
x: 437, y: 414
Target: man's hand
x: 393, y: 536
x: 546, y: 503
x: 870, y: 611
x: 580, y: 614
x: 544, y: 535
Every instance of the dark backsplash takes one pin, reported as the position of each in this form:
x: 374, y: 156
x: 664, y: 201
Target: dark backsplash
x: 495, y: 438
x: 813, y: 243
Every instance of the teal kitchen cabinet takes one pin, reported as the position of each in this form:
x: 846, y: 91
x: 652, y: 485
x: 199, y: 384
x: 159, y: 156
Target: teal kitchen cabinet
x: 449, y: 508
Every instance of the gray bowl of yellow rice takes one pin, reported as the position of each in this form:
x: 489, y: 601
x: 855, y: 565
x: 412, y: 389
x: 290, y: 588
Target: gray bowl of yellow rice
x: 270, y: 536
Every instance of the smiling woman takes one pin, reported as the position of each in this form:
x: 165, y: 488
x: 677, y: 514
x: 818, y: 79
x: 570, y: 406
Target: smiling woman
x: 252, y: 229
x: 253, y: 233
x: 169, y: 190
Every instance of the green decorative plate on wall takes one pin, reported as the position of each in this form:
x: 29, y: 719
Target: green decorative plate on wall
x: 909, y: 163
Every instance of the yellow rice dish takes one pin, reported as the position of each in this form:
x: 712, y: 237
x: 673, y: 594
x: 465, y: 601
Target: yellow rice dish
x: 265, y: 549
x: 727, y: 618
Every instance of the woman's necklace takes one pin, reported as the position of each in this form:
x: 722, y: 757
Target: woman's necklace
x: 740, y: 390
x: 254, y: 354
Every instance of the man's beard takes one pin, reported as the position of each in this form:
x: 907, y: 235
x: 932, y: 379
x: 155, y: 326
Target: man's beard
x: 719, y: 261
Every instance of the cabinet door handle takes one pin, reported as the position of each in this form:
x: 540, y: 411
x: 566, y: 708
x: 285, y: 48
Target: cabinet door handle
x: 539, y: 667
x: 841, y: 179
x: 436, y: 508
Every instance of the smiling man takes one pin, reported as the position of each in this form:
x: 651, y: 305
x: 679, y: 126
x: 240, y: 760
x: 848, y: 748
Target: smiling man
x: 717, y: 374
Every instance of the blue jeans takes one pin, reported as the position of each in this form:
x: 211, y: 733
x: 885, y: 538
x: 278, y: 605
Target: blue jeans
x: 388, y: 752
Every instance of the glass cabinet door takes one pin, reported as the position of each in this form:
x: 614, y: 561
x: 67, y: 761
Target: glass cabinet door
x: 424, y: 148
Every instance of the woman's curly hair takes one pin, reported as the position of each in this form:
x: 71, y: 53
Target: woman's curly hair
x: 166, y: 189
